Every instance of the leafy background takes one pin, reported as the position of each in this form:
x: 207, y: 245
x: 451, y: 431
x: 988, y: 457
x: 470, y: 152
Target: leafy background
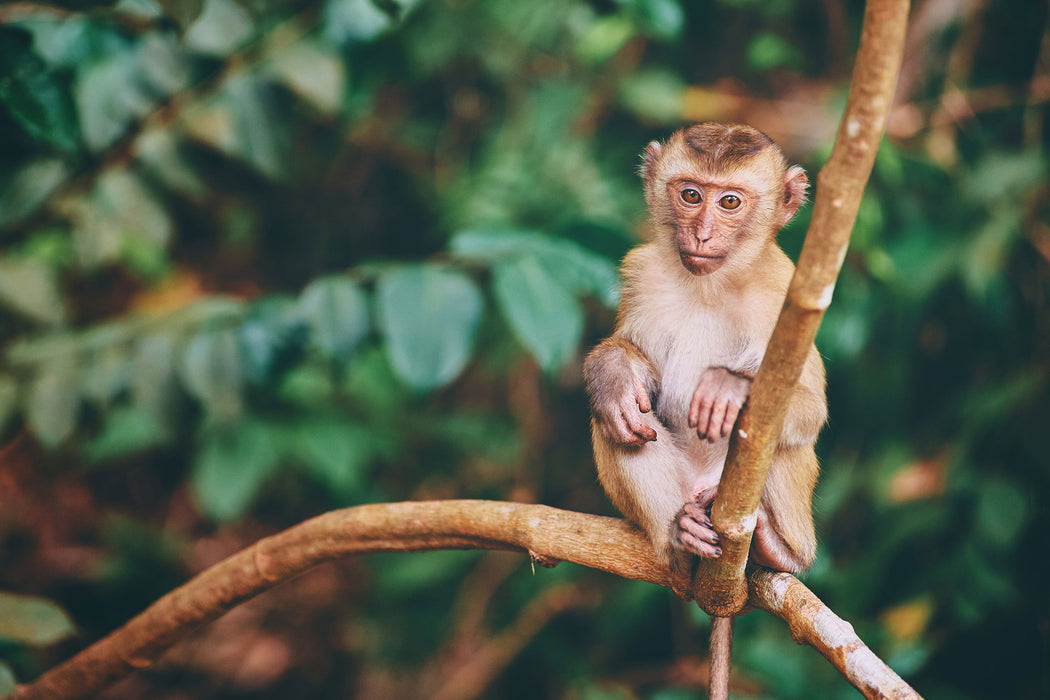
x: 265, y: 258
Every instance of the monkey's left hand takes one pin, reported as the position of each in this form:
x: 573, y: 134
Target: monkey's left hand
x: 717, y: 402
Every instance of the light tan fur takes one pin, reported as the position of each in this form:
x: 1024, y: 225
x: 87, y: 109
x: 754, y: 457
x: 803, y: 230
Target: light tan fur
x: 688, y: 323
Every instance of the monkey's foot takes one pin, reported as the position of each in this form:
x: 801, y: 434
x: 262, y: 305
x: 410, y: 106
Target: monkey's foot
x: 692, y: 531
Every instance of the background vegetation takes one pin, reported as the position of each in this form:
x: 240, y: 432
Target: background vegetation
x: 265, y: 258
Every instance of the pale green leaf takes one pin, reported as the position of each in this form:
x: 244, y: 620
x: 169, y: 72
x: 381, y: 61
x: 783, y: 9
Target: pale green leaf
x: 428, y: 316
x: 313, y: 73
x: 220, y: 29
x: 31, y: 288
x: 337, y: 314
x: 33, y: 620
x: 53, y: 403
x: 577, y: 269
x: 211, y: 371
x: 7, y: 679
x: 29, y: 187
x: 544, y: 316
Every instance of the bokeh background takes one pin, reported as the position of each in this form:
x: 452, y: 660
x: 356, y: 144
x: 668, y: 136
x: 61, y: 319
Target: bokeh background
x: 264, y: 258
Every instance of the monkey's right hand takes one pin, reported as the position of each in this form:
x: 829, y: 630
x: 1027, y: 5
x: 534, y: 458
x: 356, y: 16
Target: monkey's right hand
x: 622, y: 419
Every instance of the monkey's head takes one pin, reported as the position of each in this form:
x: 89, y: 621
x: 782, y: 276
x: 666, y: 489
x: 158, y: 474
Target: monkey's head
x: 720, y: 192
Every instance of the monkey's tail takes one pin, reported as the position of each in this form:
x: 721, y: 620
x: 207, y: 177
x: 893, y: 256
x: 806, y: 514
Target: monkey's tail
x: 721, y: 650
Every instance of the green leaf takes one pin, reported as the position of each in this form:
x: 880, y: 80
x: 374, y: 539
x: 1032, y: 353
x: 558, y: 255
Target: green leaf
x: 337, y: 314
x: 31, y: 288
x: 29, y: 187
x: 109, y: 96
x: 32, y: 620
x: 768, y: 51
x: 153, y: 384
x: 127, y: 430
x: 314, y: 73
x: 428, y: 316
x: 106, y: 373
x: 604, y: 37
x: 7, y: 680
x: 544, y: 316
x: 336, y: 452
x: 663, y: 18
x: 353, y: 20
x: 33, y: 95
x: 1002, y: 510
x: 655, y: 95
x: 8, y: 399
x: 577, y: 269
x: 232, y: 465
x: 220, y: 29
x: 271, y: 338
x: 211, y: 371
x: 54, y: 403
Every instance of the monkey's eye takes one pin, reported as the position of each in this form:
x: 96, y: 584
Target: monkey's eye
x: 730, y: 201
x: 690, y: 196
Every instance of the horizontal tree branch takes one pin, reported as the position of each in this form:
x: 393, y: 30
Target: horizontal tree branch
x: 548, y: 535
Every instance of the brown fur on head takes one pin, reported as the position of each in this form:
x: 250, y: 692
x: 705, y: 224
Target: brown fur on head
x: 709, y: 162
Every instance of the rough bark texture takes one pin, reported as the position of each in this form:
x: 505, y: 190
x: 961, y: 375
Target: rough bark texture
x: 839, y: 190
x: 548, y: 535
x: 811, y: 622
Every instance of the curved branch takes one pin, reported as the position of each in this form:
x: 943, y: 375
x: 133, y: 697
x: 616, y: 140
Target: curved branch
x: 841, y: 185
x: 812, y: 622
x: 548, y: 535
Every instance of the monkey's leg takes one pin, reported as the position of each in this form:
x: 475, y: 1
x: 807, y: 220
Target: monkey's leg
x: 648, y: 483
x: 784, y: 537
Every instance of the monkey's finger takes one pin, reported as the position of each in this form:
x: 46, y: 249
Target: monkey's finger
x: 693, y: 544
x: 640, y: 428
x: 641, y: 396
x: 714, y: 426
x: 732, y: 413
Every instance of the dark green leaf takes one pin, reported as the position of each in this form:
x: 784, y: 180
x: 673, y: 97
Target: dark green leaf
x: 127, y: 430
x: 34, y: 95
x: 428, y: 316
x: 32, y: 620
x: 8, y: 399
x: 545, y: 317
x: 335, y: 451
x: 232, y: 465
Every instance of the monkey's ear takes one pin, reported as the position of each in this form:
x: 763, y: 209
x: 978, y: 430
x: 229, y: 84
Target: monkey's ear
x: 795, y: 184
x: 653, y: 152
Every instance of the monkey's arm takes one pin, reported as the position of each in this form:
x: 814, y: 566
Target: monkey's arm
x: 621, y: 381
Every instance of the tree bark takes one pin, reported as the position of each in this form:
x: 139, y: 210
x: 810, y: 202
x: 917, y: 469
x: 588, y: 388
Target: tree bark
x: 840, y: 187
x: 548, y: 535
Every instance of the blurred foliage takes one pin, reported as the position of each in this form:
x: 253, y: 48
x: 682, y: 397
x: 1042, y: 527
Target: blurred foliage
x: 262, y: 259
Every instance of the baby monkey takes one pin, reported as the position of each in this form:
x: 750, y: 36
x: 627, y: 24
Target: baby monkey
x: 698, y: 306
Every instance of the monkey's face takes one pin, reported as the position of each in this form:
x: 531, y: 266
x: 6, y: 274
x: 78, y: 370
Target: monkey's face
x: 710, y: 218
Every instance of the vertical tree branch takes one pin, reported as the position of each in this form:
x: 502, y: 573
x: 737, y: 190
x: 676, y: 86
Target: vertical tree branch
x: 840, y: 186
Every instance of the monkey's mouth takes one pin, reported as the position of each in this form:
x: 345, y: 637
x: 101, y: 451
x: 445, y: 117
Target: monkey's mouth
x: 701, y: 264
